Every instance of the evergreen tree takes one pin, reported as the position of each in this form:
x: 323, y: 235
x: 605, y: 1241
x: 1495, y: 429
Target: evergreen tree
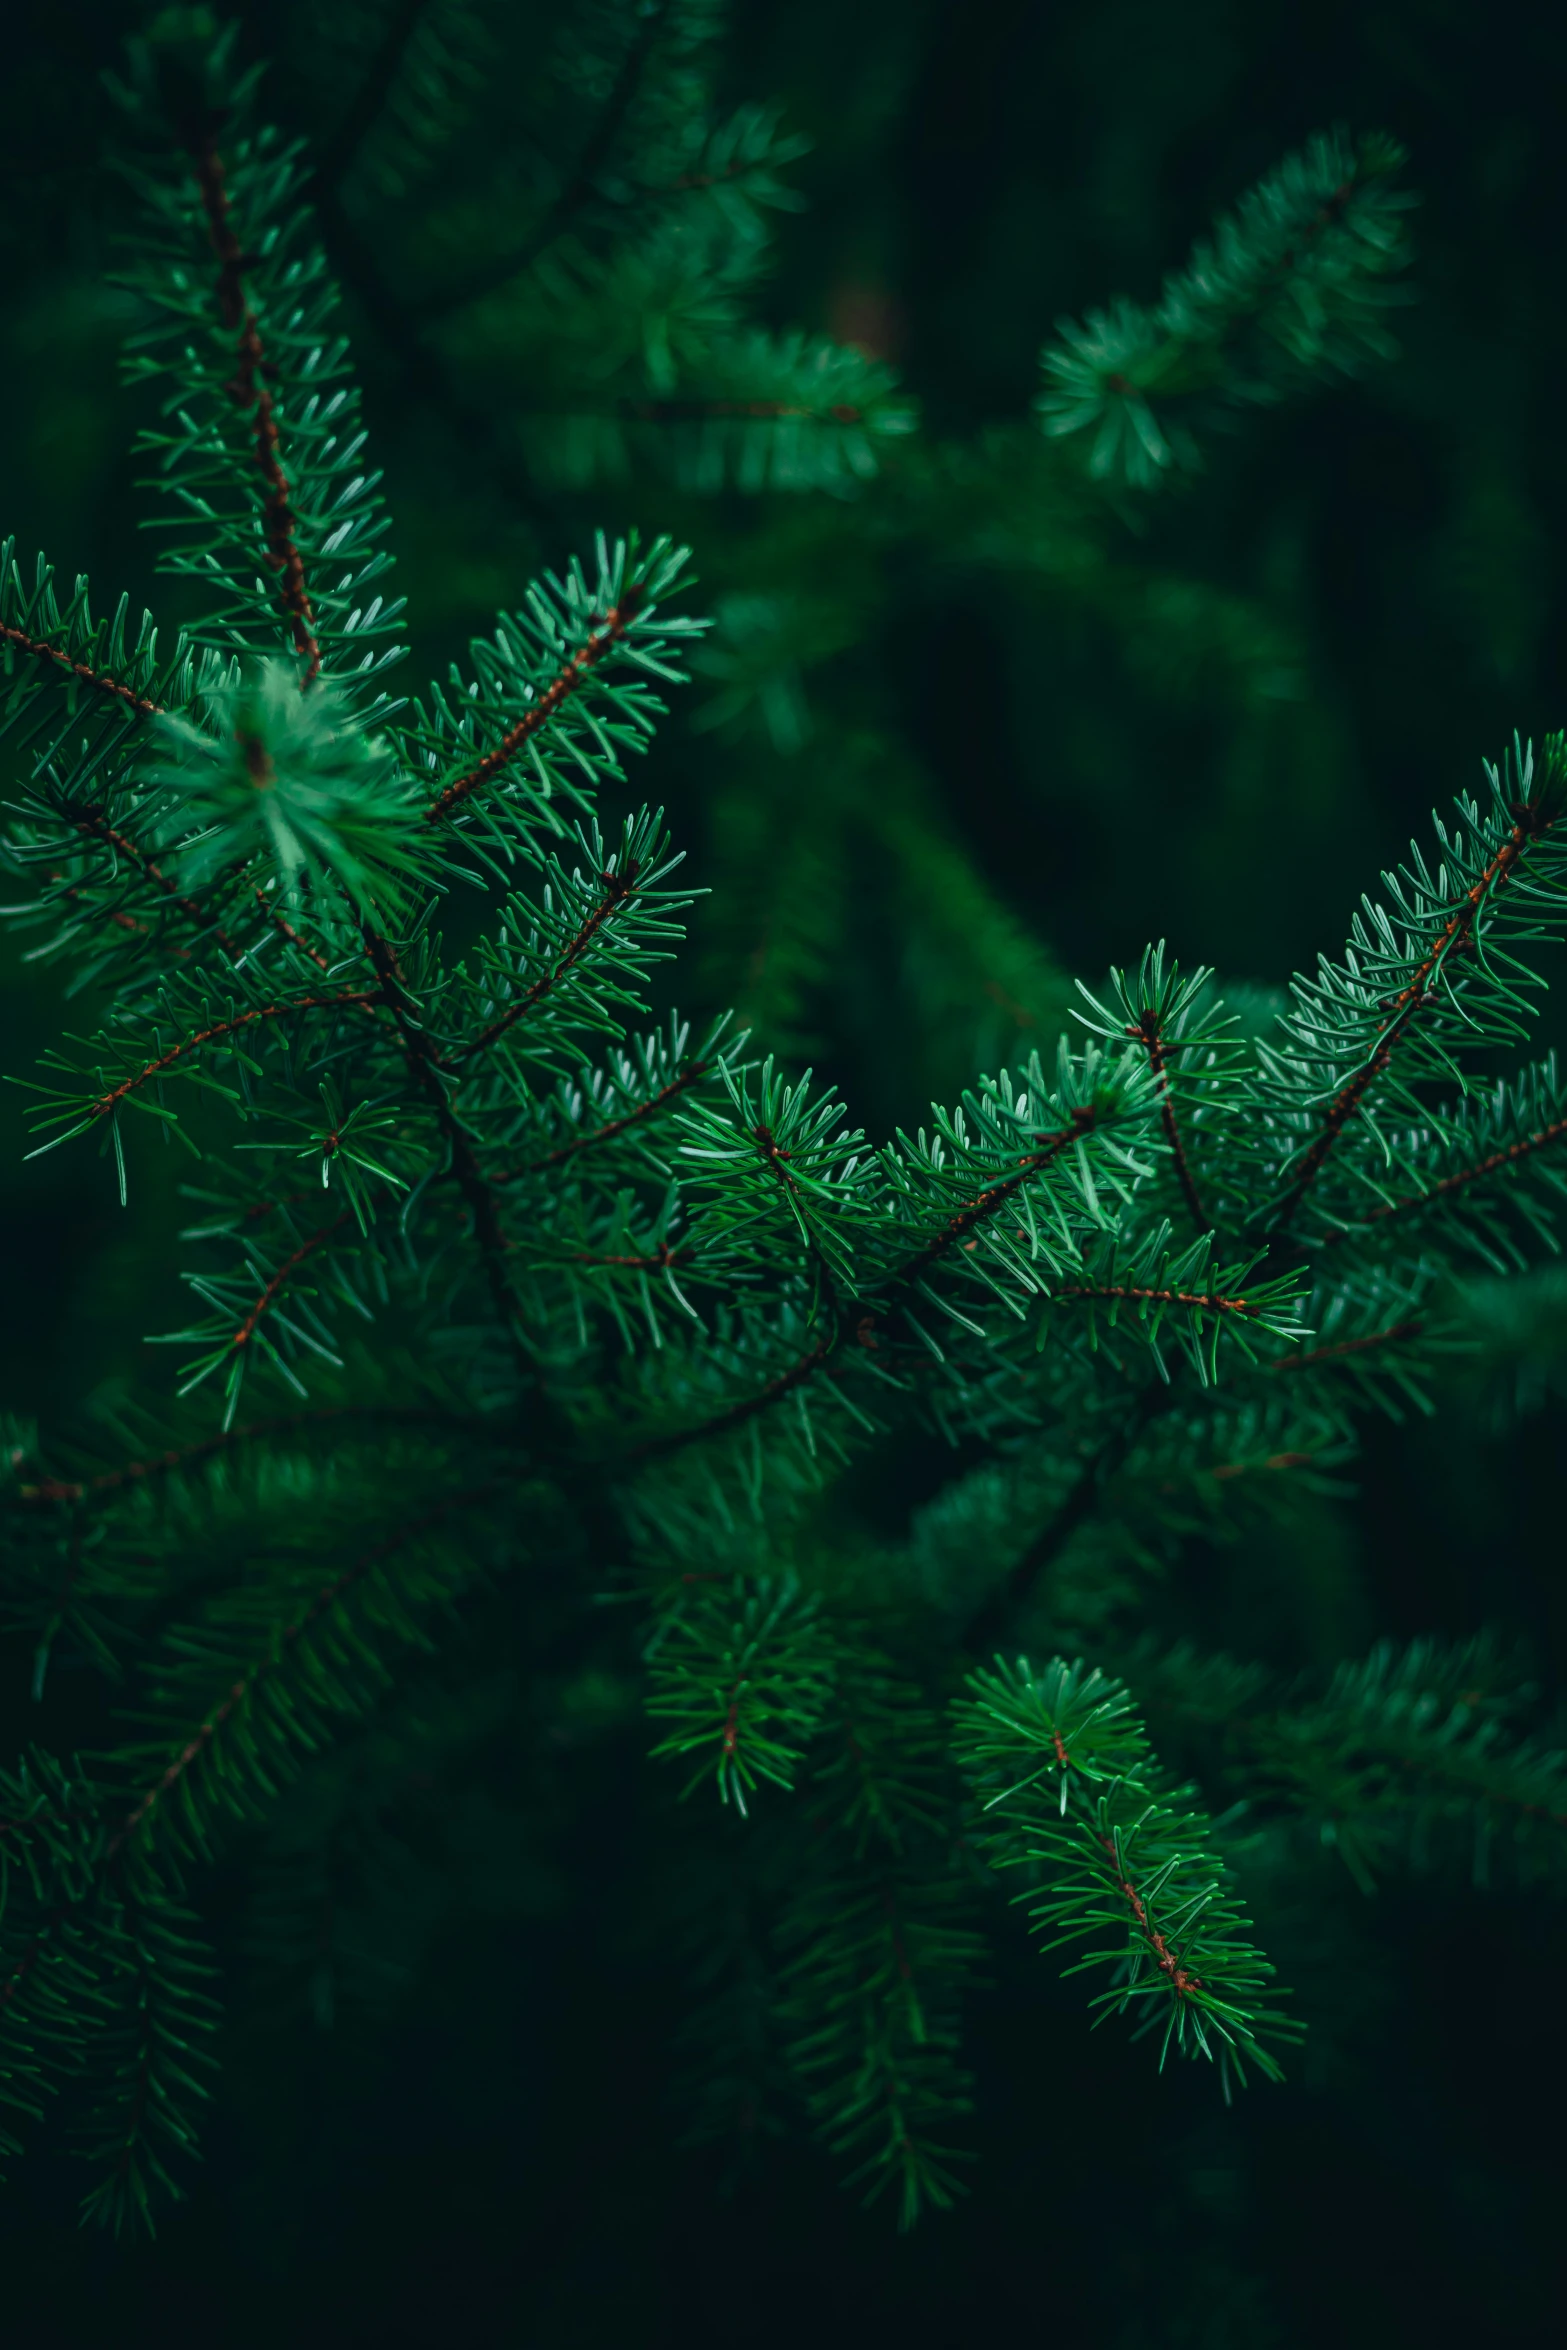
x: 512, y: 1299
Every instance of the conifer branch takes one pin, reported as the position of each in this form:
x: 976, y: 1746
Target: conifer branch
x: 861, y: 1315
x: 340, y: 999
x: 96, y: 826
x: 365, y: 106
x: 1006, y: 1603
x: 137, y: 1821
x: 1532, y: 822
x: 249, y: 388
x: 1344, y: 1349
x: 101, y: 680
x: 960, y: 1227
x: 1205, y: 1301
x: 1494, y: 1162
x: 1149, y: 1034
x: 580, y: 184
x: 425, y: 1063
x: 64, y: 1490
x: 620, y: 886
x: 692, y: 1075
x: 278, y: 1281
x: 568, y: 681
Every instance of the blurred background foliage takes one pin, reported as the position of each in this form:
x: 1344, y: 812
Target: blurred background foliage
x: 923, y: 776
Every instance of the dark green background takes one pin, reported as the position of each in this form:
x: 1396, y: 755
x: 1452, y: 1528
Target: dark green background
x: 497, y: 2166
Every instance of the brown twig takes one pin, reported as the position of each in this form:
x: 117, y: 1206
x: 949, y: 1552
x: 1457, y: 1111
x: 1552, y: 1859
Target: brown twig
x: 1455, y: 935
x: 1181, y: 1982
x: 619, y: 888
x: 328, y: 1597
x: 1147, y: 1032
x: 280, y: 1280
x: 96, y: 825
x: 1207, y: 1299
x: 612, y: 1126
x: 60, y: 1489
x: 1491, y: 1165
x: 221, y: 1028
x: 777, y: 1160
x: 249, y: 388
x: 1395, y: 1331
x: 101, y: 680
x: 570, y: 679
x: 862, y: 1317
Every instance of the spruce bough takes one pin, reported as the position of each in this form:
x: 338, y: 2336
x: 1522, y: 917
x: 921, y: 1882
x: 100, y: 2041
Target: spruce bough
x: 494, y: 1281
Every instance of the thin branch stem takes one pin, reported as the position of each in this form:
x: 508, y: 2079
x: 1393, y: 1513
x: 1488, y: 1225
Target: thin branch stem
x: 96, y: 826
x: 568, y: 681
x: 249, y: 389
x: 101, y: 680
x: 1454, y: 937
x: 612, y: 1126
x: 183, y: 1456
x: 1411, y: 1327
x: 1492, y: 1164
x: 579, y: 188
x: 221, y: 1028
x: 1148, y: 1034
x: 371, y: 96
x: 283, y: 1642
x: 619, y: 888
x: 861, y: 1317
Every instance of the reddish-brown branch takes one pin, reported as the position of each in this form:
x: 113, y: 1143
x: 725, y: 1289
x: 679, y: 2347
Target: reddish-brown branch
x: 1395, y: 1331
x: 1147, y: 1032
x: 1244, y: 1306
x: 285, y: 928
x: 1454, y: 937
x: 570, y: 679
x: 662, y: 1258
x: 958, y: 1226
x: 98, y: 827
x: 220, y: 1029
x: 746, y: 1409
x: 1274, y: 1461
x: 611, y: 1127
x: 478, y: 1197
x: 183, y: 1456
x: 101, y: 680
x: 121, y: 921
x: 1181, y: 1981
x: 619, y: 888
x: 248, y: 388
x: 777, y: 1160
x: 861, y: 1317
x: 1491, y: 1165
x: 281, y: 1279
x: 326, y: 1598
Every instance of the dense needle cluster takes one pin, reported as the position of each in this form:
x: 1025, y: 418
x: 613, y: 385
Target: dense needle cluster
x: 495, y: 1281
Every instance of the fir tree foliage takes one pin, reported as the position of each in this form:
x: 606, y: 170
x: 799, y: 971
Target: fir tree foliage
x: 570, y: 281
x: 507, y: 1283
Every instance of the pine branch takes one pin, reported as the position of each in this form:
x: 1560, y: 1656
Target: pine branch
x: 58, y: 1490
x: 1295, y: 281
x: 1061, y: 1767
x: 1427, y: 980
x: 100, y: 680
x: 248, y: 388
x: 193, y: 1785
x: 375, y: 86
x: 580, y: 184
